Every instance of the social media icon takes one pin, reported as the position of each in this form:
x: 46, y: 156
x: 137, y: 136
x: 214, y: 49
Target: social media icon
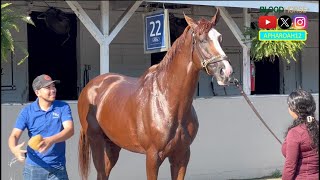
x: 300, y: 22
x: 267, y: 22
x: 284, y: 22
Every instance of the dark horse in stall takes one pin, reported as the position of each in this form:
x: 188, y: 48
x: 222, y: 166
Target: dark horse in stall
x: 152, y: 114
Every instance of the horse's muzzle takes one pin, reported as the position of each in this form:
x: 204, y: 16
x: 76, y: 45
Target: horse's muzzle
x: 222, y: 71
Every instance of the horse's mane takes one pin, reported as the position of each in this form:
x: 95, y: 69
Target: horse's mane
x: 203, y: 27
x: 173, y: 50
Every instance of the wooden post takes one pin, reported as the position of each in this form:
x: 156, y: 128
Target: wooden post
x: 246, y: 56
x: 87, y: 22
x: 104, y: 47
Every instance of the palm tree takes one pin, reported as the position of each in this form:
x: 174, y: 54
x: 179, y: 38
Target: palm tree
x: 9, y: 21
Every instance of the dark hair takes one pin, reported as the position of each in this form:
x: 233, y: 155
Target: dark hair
x: 302, y: 103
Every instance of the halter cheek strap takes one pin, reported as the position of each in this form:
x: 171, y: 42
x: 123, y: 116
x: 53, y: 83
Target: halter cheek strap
x: 205, y: 62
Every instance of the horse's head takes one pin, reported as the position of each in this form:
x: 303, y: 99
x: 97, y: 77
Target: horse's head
x: 206, y: 44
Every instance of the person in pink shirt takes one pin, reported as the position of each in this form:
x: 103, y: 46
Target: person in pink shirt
x: 301, y: 145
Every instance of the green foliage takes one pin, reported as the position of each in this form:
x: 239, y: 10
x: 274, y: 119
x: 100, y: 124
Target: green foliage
x: 286, y: 50
x: 276, y: 174
x: 9, y: 19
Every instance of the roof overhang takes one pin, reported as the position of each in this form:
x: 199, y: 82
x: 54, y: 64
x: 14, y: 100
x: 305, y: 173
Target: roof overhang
x: 311, y: 6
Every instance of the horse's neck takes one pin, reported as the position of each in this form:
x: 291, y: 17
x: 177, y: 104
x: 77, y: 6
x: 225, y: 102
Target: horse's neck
x: 179, y: 78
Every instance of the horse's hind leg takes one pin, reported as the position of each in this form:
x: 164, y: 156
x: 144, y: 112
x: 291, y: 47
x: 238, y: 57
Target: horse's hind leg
x: 105, y: 153
x: 97, y: 143
x: 111, y: 155
x: 178, y: 164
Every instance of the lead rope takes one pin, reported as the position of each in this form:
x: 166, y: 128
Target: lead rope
x: 236, y: 82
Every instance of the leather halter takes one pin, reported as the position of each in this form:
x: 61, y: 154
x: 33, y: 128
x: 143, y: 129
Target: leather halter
x: 205, y: 62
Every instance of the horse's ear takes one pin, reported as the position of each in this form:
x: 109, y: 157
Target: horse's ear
x: 190, y: 22
x: 216, y: 17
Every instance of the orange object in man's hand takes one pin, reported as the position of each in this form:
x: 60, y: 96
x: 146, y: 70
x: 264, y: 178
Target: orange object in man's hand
x: 34, y: 142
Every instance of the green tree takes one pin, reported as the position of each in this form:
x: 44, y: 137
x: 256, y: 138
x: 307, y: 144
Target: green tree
x: 9, y: 21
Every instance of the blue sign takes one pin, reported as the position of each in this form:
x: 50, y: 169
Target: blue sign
x: 156, y: 31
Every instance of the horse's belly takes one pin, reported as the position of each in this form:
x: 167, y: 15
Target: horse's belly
x: 112, y: 101
x: 119, y: 126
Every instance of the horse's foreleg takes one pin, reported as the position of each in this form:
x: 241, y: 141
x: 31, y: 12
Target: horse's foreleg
x: 178, y: 164
x: 153, y: 163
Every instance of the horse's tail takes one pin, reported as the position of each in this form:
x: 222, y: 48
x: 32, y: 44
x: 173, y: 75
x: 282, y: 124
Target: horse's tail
x: 84, y: 155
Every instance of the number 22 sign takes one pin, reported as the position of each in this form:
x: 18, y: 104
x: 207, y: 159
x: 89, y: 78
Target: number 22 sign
x: 156, y: 31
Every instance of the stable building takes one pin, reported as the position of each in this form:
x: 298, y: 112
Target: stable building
x: 108, y: 36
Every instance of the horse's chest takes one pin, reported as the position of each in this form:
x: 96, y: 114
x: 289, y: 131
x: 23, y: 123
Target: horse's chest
x: 177, y: 130
x: 183, y: 135
x: 177, y: 141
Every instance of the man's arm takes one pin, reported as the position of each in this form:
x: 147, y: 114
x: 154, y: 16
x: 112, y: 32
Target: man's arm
x: 13, y: 141
x: 65, y: 134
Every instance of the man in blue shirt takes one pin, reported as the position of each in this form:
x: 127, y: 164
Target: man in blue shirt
x: 50, y: 118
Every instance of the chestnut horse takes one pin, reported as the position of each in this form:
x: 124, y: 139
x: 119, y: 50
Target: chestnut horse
x: 152, y: 114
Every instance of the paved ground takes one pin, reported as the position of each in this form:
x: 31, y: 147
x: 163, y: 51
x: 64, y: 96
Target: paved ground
x: 263, y: 178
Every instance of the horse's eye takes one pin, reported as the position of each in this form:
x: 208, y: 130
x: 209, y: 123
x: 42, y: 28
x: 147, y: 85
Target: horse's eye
x: 203, y: 40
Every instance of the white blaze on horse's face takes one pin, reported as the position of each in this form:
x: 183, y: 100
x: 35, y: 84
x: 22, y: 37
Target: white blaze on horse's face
x: 216, y: 38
